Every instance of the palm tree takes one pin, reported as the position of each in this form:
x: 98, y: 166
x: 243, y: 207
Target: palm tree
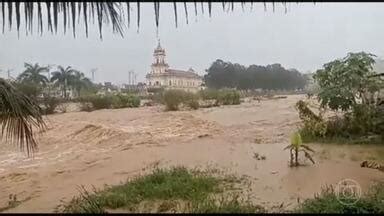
x: 18, y: 116
x: 78, y: 82
x: 297, y: 146
x: 62, y: 78
x: 32, y: 74
x: 103, y: 12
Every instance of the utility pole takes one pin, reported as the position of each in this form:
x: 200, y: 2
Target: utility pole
x: 49, y: 73
x: 129, y: 77
x: 9, y: 73
x: 93, y: 70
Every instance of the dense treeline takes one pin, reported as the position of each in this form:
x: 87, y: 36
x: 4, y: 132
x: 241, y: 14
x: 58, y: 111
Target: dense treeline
x: 272, y: 77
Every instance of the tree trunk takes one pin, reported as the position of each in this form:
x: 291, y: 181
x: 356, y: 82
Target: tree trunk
x: 291, y: 162
x: 65, y: 91
x: 296, y: 157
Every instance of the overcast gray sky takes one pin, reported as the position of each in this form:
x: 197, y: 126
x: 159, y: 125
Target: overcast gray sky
x: 305, y: 38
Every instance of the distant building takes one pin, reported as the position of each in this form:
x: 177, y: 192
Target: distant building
x: 162, y: 76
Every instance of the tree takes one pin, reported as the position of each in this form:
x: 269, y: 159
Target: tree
x: 79, y: 82
x: 31, y: 82
x: 18, y: 116
x: 228, y: 75
x: 297, y: 146
x: 62, y: 78
x: 344, y: 81
x: 32, y: 74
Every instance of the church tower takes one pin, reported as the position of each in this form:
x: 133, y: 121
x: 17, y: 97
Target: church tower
x: 159, y: 65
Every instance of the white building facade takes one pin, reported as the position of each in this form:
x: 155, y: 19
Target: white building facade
x: 161, y: 76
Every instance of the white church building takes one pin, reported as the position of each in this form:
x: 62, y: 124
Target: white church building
x: 162, y: 76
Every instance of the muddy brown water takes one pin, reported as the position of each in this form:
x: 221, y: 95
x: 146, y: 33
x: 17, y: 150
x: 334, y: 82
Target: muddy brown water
x: 110, y: 146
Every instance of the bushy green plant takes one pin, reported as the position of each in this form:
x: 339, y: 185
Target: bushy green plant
x: 29, y: 89
x: 132, y: 101
x: 191, y: 100
x: 228, y: 97
x: 209, y: 94
x: 109, y: 101
x: 327, y: 202
x: 98, y: 101
x: 222, y: 97
x: 174, y: 98
x: 49, y: 104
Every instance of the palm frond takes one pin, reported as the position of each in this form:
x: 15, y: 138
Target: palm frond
x: 307, y: 155
x: 18, y: 116
x: 288, y: 147
x: 103, y: 10
x: 307, y: 148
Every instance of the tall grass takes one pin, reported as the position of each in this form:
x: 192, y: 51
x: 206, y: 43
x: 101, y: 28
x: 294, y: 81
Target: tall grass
x: 173, y: 188
x: 327, y: 202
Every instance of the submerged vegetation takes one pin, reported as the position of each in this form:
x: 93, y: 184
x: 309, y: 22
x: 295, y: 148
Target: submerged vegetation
x: 177, y: 189
x: 297, y: 146
x: 109, y: 101
x: 174, y: 98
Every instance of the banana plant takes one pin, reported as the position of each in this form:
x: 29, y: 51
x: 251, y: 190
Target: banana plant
x: 297, y: 146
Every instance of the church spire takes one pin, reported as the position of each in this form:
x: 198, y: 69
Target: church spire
x: 158, y: 44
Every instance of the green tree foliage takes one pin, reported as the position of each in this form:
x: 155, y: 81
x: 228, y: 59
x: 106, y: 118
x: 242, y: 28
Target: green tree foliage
x: 62, y: 77
x: 33, y: 74
x: 29, y: 89
x: 79, y: 82
x: 344, y: 81
x: 273, y: 77
x: 69, y: 78
x: 346, y: 84
x: 31, y: 81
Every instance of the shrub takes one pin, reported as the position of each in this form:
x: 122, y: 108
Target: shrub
x: 228, y: 97
x: 327, y: 202
x: 193, y: 104
x: 209, y: 94
x: 29, y: 89
x: 86, y: 106
x: 173, y: 98
x: 97, y: 101
x: 223, y: 96
x: 133, y: 101
x: 359, y: 125
x: 109, y: 101
x: 191, y: 100
x: 49, y: 104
